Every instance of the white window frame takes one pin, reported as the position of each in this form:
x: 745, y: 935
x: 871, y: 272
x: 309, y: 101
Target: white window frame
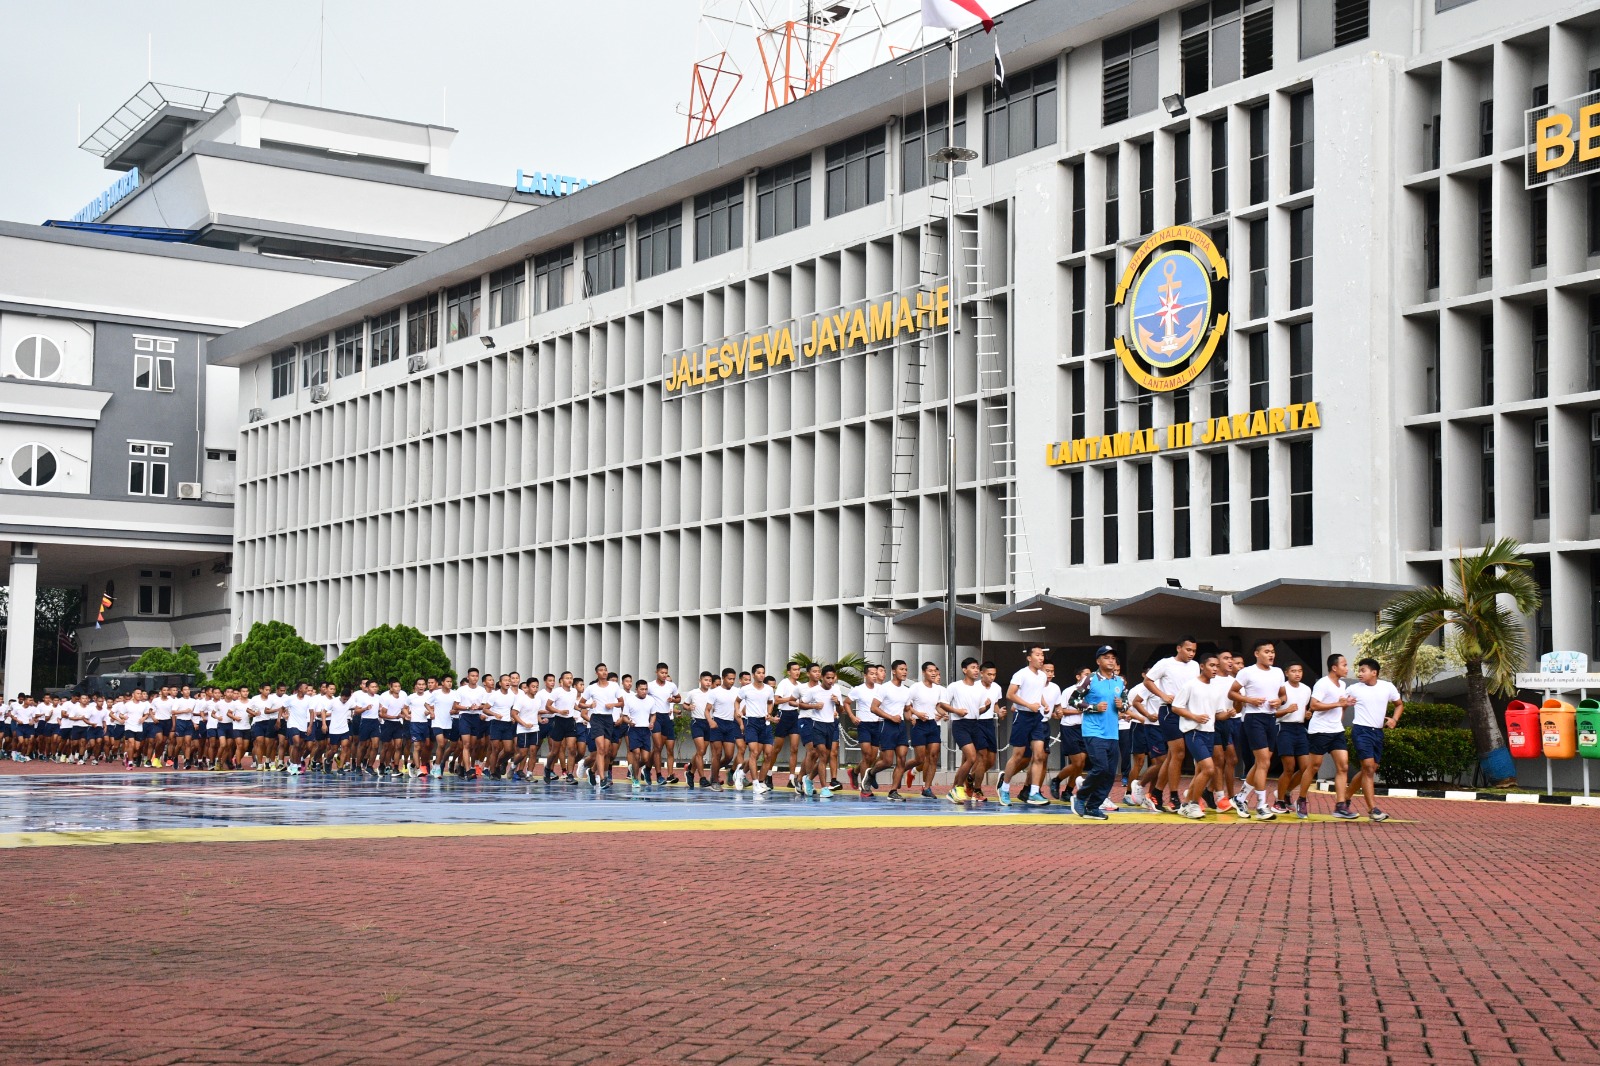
x: 144, y: 365
x: 167, y: 368
x: 156, y: 589
x: 61, y: 357
x: 147, y: 457
x: 38, y: 448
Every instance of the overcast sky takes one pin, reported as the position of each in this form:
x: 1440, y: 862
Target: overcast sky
x: 581, y: 87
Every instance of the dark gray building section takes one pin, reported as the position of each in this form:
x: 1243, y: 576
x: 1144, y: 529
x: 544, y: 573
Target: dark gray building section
x: 176, y: 417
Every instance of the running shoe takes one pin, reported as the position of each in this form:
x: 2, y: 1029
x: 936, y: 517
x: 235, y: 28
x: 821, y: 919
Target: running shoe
x: 1192, y: 811
x: 836, y: 784
x: 1224, y: 805
x: 1077, y: 807
x: 1265, y: 813
x: 1005, y: 793
x: 1097, y: 816
x: 760, y: 788
x: 1343, y: 812
x: 634, y: 782
x: 825, y: 793
x: 1108, y: 807
x: 705, y: 782
x: 957, y: 794
x: 866, y: 793
x: 807, y: 787
x: 1300, y: 809
x: 1037, y: 798
x: 1377, y: 815
x: 927, y: 794
x: 893, y: 793
x: 1055, y: 789
x: 738, y: 779
x: 1280, y: 807
x: 1149, y: 804
x: 855, y: 780
x: 1241, y: 799
x: 716, y: 787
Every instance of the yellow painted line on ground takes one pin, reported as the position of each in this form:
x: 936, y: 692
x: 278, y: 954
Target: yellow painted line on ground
x: 245, y: 834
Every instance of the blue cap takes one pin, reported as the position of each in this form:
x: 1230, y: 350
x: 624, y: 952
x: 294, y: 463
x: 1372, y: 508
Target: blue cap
x: 1105, y: 649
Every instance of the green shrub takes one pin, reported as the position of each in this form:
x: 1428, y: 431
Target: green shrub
x: 1433, y: 716
x: 272, y: 654
x: 1415, y: 755
x: 161, y: 661
x: 390, y: 653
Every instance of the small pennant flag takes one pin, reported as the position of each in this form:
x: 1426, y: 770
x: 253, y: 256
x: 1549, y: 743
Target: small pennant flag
x: 105, y: 605
x: 955, y: 14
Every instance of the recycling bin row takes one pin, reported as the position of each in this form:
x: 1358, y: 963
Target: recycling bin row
x: 1556, y: 730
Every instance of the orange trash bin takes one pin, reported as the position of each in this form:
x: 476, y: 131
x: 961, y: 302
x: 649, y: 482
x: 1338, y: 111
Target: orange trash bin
x: 1558, y: 730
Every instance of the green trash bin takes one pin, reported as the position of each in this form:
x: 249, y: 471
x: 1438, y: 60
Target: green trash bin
x: 1589, y: 729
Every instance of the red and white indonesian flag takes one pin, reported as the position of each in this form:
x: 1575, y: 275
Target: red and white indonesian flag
x: 955, y: 14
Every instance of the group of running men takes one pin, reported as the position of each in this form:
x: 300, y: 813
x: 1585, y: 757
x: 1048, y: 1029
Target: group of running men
x: 1214, y: 709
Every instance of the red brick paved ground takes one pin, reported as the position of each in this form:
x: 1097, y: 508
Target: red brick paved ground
x: 1466, y: 937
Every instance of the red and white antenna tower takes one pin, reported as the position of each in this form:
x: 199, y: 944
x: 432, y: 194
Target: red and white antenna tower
x: 791, y: 48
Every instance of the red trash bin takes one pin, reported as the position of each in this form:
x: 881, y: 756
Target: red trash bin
x: 1522, y: 730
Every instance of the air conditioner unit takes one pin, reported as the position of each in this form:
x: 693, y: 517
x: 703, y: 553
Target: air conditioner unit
x: 1488, y: 440
x: 188, y: 490
x: 417, y: 363
x: 1541, y: 433
x: 257, y: 414
x: 319, y: 393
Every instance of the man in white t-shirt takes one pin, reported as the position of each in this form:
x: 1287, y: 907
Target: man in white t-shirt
x: 638, y: 717
x: 787, y: 703
x: 392, y: 728
x: 825, y: 700
x: 1030, y: 728
x: 893, y: 744
x: 755, y: 722
x: 561, y: 707
x: 928, y: 706
x: 297, y: 724
x: 1325, y: 734
x: 1198, y: 707
x: 722, y: 711
x: 1164, y: 681
x: 1369, y: 718
x: 699, y: 703
x: 606, y: 700
x: 663, y: 728
x: 1294, y: 742
x: 864, y: 698
x: 1258, y: 689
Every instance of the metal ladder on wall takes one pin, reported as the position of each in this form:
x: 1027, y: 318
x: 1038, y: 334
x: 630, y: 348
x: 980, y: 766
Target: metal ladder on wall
x: 912, y: 370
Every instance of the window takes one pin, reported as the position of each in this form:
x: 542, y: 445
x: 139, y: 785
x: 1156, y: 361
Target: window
x: 1080, y: 402
x: 1145, y: 478
x: 1219, y: 164
x: 1080, y: 308
x: 1180, y: 508
x: 1108, y: 520
x: 1486, y: 475
x: 314, y: 362
x: 605, y: 261
x: 1075, y: 517
x: 1431, y: 129
x: 1300, y: 222
x: 1594, y: 342
x: 461, y: 307
x: 422, y: 324
x: 1258, y: 154
x: 37, y: 358
x: 1180, y: 405
x: 552, y: 273
x: 1300, y: 363
x: 1430, y: 237
x: 1108, y: 406
x: 1222, y: 40
x: 719, y: 220
x: 1258, y: 370
x: 1219, y: 383
x: 1594, y: 607
x: 218, y: 455
x: 147, y: 467
x: 1128, y: 76
x: 1147, y: 187
x: 1260, y: 500
x: 1486, y: 360
x: 1543, y: 624
x: 1182, y: 210
x: 783, y: 198
x: 1541, y: 468
x: 1485, y: 228
x: 854, y: 172
x: 1540, y: 97
x: 1302, y: 142
x: 166, y: 373
x: 1328, y: 24
x: 1113, y: 170
x: 1538, y: 226
x: 144, y: 372
x: 1025, y: 118
x: 659, y: 241
x: 1541, y: 351
x: 347, y: 351
x: 1594, y: 216
x: 1435, y: 478
x: 1300, y: 481
x: 155, y: 599
x: 506, y: 287
x: 282, y: 373
x: 1594, y: 464
x: 1431, y: 373
x: 1110, y: 266
x: 1080, y: 209
x: 34, y: 465
x: 1486, y: 127
x: 385, y: 338
x: 1258, y: 268
x: 1144, y: 409
x: 1219, y: 503
x: 922, y: 133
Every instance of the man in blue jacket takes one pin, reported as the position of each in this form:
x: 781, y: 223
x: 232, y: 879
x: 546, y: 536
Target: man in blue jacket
x: 1106, y: 692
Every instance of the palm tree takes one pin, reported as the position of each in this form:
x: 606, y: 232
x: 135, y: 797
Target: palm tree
x: 1481, y: 615
x: 852, y: 666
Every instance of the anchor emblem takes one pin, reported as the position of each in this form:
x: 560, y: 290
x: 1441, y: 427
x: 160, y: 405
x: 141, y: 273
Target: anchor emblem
x: 1169, y: 315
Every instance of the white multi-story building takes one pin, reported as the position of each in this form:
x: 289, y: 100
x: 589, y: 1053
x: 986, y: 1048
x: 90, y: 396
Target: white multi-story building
x: 118, y: 439
x: 593, y: 440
